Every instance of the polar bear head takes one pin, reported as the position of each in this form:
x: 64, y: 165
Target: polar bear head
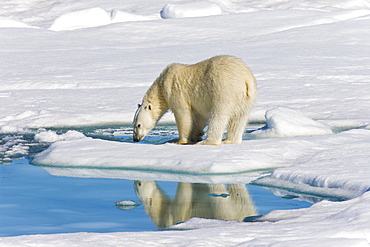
x: 145, y: 189
x: 144, y: 121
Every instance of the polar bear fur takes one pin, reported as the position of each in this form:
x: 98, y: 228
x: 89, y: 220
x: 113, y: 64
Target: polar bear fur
x: 219, y: 91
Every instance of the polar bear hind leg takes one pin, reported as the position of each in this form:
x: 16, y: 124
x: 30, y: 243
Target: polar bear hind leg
x: 216, y: 128
x: 235, y: 129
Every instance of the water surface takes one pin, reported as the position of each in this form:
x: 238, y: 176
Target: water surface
x: 32, y: 201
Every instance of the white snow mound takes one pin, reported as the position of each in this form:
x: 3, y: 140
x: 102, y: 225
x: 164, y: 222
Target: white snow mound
x: 92, y: 17
x: 287, y: 122
x: 10, y: 129
x: 192, y: 9
x: 7, y: 22
x: 123, y: 16
x: 52, y: 136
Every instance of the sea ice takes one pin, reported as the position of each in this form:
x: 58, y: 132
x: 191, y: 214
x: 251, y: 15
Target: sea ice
x: 52, y: 136
x: 311, y: 56
x: 192, y: 9
x: 127, y: 205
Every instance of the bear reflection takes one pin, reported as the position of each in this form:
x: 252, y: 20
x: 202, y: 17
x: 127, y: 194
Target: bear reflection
x: 210, y: 201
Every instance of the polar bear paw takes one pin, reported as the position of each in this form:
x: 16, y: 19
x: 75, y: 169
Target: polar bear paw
x: 208, y: 142
x: 227, y: 141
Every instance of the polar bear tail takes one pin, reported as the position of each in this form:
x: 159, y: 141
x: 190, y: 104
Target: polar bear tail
x: 252, y: 91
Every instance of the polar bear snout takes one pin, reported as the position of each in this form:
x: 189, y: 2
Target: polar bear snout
x: 141, y: 129
x: 137, y: 139
x: 137, y: 135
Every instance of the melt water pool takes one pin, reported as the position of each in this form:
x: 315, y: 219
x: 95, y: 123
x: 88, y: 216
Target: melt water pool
x: 34, y: 202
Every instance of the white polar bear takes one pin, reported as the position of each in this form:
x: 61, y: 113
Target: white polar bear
x: 220, y: 90
x: 209, y: 201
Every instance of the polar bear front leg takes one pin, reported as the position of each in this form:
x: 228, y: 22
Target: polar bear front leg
x: 199, y: 123
x: 184, y: 125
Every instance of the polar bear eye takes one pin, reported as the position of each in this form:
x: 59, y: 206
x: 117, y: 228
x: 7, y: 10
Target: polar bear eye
x: 139, y: 125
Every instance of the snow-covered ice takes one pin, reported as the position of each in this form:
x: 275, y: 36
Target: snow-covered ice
x: 126, y: 205
x: 123, y: 16
x: 52, y: 136
x: 317, y: 165
x: 284, y: 122
x: 82, y: 63
x: 81, y: 19
x: 193, y: 9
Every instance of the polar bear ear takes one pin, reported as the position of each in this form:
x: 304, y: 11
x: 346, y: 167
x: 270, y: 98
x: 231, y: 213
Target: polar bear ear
x: 150, y: 107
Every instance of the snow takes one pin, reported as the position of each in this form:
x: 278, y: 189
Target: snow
x: 82, y: 63
x: 52, y: 136
x: 95, y: 17
x: 81, y: 19
x: 193, y: 9
x: 123, y: 16
x: 284, y: 122
x: 7, y: 22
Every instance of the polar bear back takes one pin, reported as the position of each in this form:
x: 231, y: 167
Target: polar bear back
x: 218, y: 80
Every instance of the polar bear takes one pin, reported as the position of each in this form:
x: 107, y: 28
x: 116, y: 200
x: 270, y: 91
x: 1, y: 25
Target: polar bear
x: 219, y: 91
x: 209, y: 201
